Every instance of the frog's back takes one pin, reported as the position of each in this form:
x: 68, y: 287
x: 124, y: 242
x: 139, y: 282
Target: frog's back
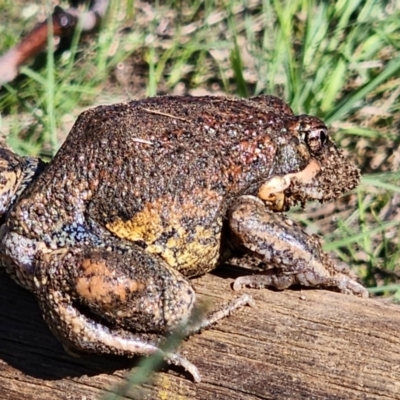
x: 177, y: 143
x: 160, y: 171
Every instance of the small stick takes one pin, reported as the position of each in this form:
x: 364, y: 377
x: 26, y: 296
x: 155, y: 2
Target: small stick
x: 64, y: 24
x: 163, y: 114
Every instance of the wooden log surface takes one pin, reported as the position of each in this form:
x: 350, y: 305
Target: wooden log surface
x: 296, y: 344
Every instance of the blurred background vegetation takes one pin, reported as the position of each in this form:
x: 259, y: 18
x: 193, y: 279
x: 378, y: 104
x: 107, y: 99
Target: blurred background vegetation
x: 337, y: 60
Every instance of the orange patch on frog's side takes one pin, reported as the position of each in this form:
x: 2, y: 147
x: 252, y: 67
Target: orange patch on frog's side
x: 101, y: 285
x: 184, y: 248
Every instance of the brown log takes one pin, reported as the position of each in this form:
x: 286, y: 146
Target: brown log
x: 296, y: 344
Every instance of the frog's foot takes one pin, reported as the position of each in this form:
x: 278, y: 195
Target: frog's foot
x: 296, y: 257
x: 280, y: 281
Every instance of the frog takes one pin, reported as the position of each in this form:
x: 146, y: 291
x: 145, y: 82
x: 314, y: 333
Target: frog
x: 145, y: 195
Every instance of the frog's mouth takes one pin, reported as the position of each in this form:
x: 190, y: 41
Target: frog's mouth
x: 327, y: 176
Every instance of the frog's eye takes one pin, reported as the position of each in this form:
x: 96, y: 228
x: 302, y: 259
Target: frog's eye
x: 316, y: 139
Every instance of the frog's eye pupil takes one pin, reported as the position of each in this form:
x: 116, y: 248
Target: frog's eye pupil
x: 323, y: 137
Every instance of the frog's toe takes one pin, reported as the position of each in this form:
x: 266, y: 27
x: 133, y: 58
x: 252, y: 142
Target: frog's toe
x: 350, y: 286
x: 178, y: 360
x: 267, y: 279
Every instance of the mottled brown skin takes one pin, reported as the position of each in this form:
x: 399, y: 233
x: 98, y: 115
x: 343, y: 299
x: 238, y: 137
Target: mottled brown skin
x: 145, y: 194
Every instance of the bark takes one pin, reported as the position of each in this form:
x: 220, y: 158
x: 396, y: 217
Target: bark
x: 308, y: 344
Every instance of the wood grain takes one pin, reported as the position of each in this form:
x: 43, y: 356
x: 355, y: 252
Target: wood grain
x: 308, y: 344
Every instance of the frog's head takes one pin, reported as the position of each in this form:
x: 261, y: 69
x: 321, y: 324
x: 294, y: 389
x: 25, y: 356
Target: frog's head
x: 311, y: 166
x: 16, y: 173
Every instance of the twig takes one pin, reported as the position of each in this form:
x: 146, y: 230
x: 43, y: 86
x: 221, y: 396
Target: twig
x: 63, y: 23
x: 163, y: 114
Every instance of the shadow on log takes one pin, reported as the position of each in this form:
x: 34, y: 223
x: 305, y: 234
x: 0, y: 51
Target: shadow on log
x: 305, y: 344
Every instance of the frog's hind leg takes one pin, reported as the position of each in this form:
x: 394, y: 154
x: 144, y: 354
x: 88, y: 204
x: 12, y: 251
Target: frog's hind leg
x: 105, y: 302
x: 294, y: 256
x: 118, y: 302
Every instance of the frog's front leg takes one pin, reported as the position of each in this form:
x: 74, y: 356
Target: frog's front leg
x: 294, y: 256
